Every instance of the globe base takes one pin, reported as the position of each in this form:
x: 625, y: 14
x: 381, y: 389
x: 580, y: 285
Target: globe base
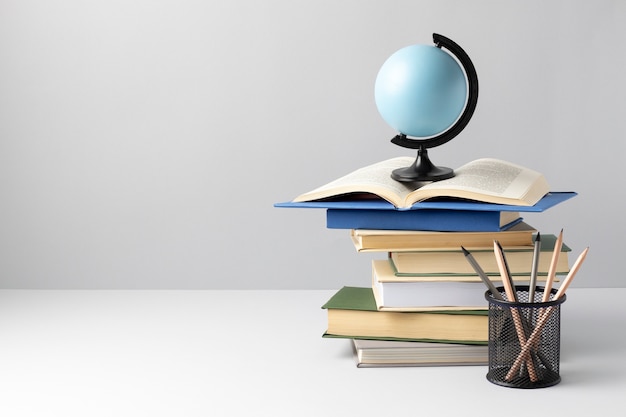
x: 422, y: 170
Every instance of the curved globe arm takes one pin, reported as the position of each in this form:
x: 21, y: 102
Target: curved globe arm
x: 472, y: 99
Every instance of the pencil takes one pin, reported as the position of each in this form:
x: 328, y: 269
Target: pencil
x: 536, y: 334
x: 552, y: 270
x: 485, y: 279
x: 533, y: 269
x: 570, y: 276
x: 510, y: 294
x: 507, y: 271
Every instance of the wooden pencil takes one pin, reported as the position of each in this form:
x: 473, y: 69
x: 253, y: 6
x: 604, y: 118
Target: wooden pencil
x: 552, y: 269
x: 536, y: 334
x: 510, y: 294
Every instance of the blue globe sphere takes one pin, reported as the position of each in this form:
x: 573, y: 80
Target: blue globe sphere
x: 420, y: 91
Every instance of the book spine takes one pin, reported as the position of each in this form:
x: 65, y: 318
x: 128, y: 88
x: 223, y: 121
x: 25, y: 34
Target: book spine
x: 427, y: 219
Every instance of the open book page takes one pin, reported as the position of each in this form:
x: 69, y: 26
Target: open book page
x: 487, y: 180
x: 491, y: 180
x: 375, y: 179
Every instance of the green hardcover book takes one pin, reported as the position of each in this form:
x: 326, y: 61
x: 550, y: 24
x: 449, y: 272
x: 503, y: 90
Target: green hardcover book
x: 352, y: 313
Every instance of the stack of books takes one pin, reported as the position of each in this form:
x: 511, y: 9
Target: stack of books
x: 424, y: 303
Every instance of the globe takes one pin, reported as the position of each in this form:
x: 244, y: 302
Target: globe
x: 420, y: 91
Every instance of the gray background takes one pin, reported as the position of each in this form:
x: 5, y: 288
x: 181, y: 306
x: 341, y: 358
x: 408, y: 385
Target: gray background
x: 144, y: 143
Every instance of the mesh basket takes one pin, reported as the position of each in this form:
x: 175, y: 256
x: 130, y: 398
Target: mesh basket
x: 524, y: 339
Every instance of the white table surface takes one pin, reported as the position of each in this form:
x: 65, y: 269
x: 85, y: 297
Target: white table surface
x: 220, y: 353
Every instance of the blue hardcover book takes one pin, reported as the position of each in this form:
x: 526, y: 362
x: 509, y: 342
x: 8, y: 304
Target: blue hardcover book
x: 442, y: 215
x: 429, y: 219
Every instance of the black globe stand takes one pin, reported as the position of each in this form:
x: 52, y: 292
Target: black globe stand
x: 423, y: 169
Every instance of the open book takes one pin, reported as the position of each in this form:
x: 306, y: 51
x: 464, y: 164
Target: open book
x: 487, y: 179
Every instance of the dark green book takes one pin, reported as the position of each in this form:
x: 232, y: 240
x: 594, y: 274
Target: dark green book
x: 352, y: 313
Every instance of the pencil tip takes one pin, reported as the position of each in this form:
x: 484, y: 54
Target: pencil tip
x: 464, y: 250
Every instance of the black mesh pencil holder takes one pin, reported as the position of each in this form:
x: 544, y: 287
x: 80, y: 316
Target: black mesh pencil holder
x: 524, y: 339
